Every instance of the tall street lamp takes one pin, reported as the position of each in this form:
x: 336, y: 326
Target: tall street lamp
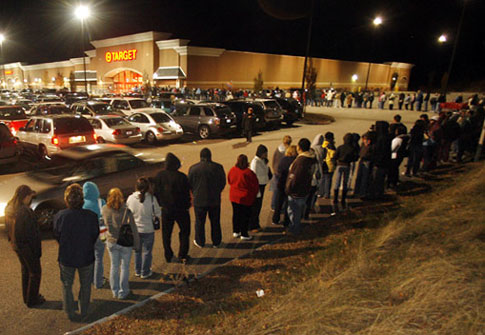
x: 82, y: 12
x: 2, y: 38
x: 376, y: 22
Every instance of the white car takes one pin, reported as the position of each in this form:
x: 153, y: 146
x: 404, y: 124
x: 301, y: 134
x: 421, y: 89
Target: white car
x: 115, y: 129
x: 156, y: 125
x: 129, y: 105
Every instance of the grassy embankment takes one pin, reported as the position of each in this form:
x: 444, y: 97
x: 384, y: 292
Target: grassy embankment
x: 411, y: 265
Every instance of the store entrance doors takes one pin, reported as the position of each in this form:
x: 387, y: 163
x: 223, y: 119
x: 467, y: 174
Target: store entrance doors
x: 126, y: 81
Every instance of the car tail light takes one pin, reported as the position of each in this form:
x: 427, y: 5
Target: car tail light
x: 217, y: 121
x: 116, y: 132
x: 95, y: 137
x: 160, y: 129
x: 55, y: 140
x: 14, y: 141
x: 138, y: 130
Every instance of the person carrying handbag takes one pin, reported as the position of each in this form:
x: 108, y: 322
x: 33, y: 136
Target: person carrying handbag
x: 116, y: 215
x: 146, y: 213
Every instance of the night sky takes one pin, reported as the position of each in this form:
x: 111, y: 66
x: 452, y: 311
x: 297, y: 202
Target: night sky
x: 46, y: 30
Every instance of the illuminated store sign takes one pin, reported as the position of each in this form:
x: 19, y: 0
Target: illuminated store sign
x: 7, y: 72
x: 120, y: 56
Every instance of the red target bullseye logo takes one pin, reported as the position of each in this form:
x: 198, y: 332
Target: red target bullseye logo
x: 108, y: 57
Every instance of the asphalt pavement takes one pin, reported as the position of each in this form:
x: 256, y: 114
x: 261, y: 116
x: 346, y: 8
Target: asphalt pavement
x: 16, y: 318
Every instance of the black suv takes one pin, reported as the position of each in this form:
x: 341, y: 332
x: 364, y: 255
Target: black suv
x: 240, y: 107
x: 292, y: 110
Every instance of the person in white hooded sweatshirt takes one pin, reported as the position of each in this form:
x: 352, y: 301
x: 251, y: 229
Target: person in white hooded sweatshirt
x: 259, y: 165
x: 144, y: 207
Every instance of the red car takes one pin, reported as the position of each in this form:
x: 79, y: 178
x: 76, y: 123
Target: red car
x: 14, y: 117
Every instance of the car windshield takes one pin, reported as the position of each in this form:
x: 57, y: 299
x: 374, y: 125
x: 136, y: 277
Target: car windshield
x: 56, y: 110
x: 271, y: 104
x: 223, y: 111
x: 72, y: 125
x: 12, y: 113
x: 138, y: 104
x: 102, y: 108
x: 116, y: 121
x: 161, y: 117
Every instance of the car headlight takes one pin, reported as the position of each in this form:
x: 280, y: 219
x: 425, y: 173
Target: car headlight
x: 3, y: 205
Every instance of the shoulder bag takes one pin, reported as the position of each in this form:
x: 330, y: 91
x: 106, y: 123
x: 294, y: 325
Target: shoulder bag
x: 125, y: 236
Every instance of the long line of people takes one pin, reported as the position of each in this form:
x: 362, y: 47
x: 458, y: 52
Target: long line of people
x: 299, y: 175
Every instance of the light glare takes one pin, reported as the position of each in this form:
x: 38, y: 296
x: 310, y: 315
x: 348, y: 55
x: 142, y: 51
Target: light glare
x: 2, y: 38
x: 82, y: 12
x: 442, y: 38
x: 377, y: 21
x: 355, y: 77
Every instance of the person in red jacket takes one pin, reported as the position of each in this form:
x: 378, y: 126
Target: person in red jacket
x: 244, y: 188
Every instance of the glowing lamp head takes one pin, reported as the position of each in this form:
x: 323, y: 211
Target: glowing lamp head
x: 2, y: 38
x: 82, y: 12
x: 354, y: 78
x: 377, y: 21
x: 442, y: 38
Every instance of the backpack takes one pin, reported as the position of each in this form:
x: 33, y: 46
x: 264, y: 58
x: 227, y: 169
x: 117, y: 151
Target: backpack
x: 125, y: 237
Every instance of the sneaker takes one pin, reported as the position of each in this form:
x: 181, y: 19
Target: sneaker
x: 148, y: 275
x: 197, y: 244
x: 217, y: 246
x: 236, y: 235
x: 275, y: 223
x: 246, y: 238
x: 137, y: 275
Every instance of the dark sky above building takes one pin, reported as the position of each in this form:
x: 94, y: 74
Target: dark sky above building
x: 46, y: 30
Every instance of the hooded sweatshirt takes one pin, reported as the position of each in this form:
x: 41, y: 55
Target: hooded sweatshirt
x: 172, y: 187
x: 91, y: 196
x: 328, y: 153
x: 278, y: 154
x: 300, y: 175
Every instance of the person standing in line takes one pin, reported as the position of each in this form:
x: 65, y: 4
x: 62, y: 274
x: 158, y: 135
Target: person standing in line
x: 94, y: 203
x: 392, y: 97
x: 207, y: 179
x: 299, y: 183
x: 407, y: 101
x: 77, y: 230
x: 426, y: 101
x: 24, y: 235
x: 248, y: 125
x: 259, y: 165
x: 345, y: 154
x: 145, y: 209
x: 355, y: 144
x: 415, y: 154
x: 244, y: 187
x: 328, y: 165
x: 342, y: 99
x: 412, y: 101
x: 400, y: 100
x: 398, y: 152
x: 395, y: 125
x: 281, y: 173
x: 371, y: 99
x: 419, y: 100
x: 381, y: 158
x: 363, y: 179
x: 277, y: 156
x: 172, y: 190
x: 116, y: 214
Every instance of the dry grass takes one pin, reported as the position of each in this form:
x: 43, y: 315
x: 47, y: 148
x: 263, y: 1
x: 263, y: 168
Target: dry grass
x: 416, y: 270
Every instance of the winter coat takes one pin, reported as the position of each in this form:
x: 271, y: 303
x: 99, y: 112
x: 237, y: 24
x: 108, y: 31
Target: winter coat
x: 91, y: 196
x: 23, y: 230
x: 282, y: 171
x: 300, y: 175
x: 76, y: 230
x: 244, y: 186
x: 277, y: 156
x: 115, y: 218
x: 207, y: 179
x: 172, y: 187
x: 328, y: 154
x: 260, y: 167
x: 346, y: 154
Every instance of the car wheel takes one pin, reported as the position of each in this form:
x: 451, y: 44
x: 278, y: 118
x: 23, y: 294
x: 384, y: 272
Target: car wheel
x: 100, y: 140
x: 45, y: 217
x: 150, y: 138
x: 204, y: 132
x: 43, y: 153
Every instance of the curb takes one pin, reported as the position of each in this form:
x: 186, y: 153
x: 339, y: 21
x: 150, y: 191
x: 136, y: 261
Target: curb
x: 160, y: 294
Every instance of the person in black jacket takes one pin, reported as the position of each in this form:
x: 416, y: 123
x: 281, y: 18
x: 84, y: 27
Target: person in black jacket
x: 77, y: 230
x: 24, y: 236
x: 344, y: 156
x: 207, y: 179
x: 248, y: 124
x: 381, y: 159
x: 172, y: 190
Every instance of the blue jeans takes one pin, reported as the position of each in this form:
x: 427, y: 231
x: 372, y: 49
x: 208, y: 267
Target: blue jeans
x: 120, y: 258
x: 342, y: 177
x: 327, y: 184
x: 296, y: 209
x: 98, y: 263
x: 143, y: 258
x: 67, y: 279
x: 363, y: 179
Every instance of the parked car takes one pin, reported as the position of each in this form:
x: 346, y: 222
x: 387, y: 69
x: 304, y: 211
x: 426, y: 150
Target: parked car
x: 164, y: 104
x: 13, y: 117
x: 156, y: 125
x: 129, y: 105
x: 240, y: 107
x: 273, y: 114
x: 206, y: 119
x: 71, y: 98
x: 115, y: 129
x: 168, y: 95
x: 94, y: 108
x: 9, y: 149
x: 292, y: 110
x: 48, y: 134
x: 49, y: 108
x: 107, y: 165
x: 48, y: 98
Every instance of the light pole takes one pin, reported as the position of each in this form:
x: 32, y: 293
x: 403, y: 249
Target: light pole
x: 376, y: 22
x: 307, y: 52
x: 82, y: 13
x: 2, y: 38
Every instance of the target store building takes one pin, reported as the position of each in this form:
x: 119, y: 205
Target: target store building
x: 121, y: 64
